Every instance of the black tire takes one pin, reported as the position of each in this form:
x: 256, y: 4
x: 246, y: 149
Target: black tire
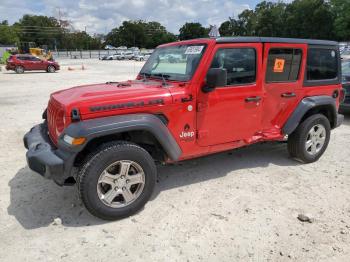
x: 51, y: 69
x: 19, y: 69
x: 297, y: 140
x: 102, y: 158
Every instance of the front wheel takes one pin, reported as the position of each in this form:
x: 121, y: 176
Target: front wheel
x: 117, y: 180
x: 309, y: 141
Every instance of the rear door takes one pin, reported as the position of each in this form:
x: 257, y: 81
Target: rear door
x: 283, y: 66
x: 232, y: 112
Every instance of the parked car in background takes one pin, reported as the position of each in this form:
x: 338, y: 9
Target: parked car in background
x: 345, y: 54
x: 141, y: 57
x: 345, y: 105
x: 106, y: 57
x: 21, y: 63
x: 129, y: 55
x: 134, y: 49
x: 110, y: 47
x: 119, y: 56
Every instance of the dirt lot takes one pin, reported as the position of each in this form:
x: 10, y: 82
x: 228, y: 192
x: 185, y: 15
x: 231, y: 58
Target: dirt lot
x: 239, y: 205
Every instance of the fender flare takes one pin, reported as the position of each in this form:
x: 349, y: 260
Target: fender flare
x: 304, y: 106
x: 99, y: 127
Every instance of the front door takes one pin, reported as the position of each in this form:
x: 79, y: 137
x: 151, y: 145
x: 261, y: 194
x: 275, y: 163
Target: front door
x: 232, y: 112
x: 37, y: 63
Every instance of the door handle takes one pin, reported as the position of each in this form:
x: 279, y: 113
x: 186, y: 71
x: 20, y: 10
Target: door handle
x: 253, y: 99
x: 288, y: 95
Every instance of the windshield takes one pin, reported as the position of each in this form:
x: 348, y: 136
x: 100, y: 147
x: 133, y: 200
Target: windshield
x: 174, y: 62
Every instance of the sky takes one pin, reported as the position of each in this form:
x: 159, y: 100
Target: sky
x: 100, y: 16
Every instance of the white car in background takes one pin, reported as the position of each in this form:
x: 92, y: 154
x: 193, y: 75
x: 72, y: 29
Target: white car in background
x: 345, y: 54
x: 107, y: 57
x: 129, y: 55
x: 141, y: 57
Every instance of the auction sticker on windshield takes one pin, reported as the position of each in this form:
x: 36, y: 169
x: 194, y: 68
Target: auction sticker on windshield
x: 194, y: 50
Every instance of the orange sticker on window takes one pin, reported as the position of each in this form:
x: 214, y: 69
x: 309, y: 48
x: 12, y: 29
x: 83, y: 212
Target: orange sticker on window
x: 279, y: 65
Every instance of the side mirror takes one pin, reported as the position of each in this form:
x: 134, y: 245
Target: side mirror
x: 215, y: 77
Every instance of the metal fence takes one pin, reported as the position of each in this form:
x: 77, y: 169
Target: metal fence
x: 81, y: 54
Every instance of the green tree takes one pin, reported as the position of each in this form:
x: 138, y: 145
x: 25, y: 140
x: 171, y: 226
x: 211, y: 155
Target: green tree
x: 192, y: 30
x: 8, y: 35
x: 269, y: 19
x: 231, y: 27
x: 323, y: 19
x: 39, y: 29
x: 247, y: 21
x: 341, y: 12
x: 157, y: 34
x: 139, y: 33
x: 80, y: 40
x: 309, y: 19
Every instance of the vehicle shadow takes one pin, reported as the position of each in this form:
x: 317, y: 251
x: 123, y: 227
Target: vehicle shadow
x: 346, y: 118
x: 27, y: 72
x: 36, y: 202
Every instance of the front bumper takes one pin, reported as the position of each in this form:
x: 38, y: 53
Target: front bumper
x: 44, y: 158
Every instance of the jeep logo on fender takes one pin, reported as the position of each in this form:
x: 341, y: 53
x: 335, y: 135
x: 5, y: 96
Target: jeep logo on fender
x: 186, y: 134
x: 127, y: 105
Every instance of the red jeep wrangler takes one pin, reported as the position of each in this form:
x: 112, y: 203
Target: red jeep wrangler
x: 190, y: 99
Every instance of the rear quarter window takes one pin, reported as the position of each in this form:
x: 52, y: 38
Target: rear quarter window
x: 322, y: 64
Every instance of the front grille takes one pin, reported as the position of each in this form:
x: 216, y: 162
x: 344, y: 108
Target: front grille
x: 54, y: 119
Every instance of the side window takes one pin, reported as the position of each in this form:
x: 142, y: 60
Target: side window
x: 322, y: 64
x: 33, y: 58
x: 283, y: 65
x: 240, y: 64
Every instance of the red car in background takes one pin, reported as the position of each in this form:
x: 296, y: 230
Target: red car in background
x: 21, y: 63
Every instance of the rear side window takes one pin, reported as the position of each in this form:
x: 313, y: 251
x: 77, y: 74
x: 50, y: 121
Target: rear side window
x: 240, y: 64
x: 322, y: 64
x: 283, y: 65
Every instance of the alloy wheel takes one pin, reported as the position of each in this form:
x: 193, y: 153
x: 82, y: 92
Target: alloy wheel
x: 120, y: 184
x: 315, y: 139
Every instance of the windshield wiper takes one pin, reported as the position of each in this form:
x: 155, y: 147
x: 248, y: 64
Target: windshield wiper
x: 163, y: 76
x: 145, y: 75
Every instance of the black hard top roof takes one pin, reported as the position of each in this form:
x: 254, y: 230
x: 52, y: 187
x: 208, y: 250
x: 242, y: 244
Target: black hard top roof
x: 253, y: 39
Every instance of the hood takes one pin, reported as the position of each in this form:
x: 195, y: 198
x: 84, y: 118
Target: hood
x: 112, y: 96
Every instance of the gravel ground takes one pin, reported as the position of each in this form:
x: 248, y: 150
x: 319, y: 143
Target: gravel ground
x: 239, y: 205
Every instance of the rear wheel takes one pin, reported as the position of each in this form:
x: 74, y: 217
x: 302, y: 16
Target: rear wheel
x: 309, y: 141
x: 51, y: 69
x: 117, y: 180
x: 19, y: 69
